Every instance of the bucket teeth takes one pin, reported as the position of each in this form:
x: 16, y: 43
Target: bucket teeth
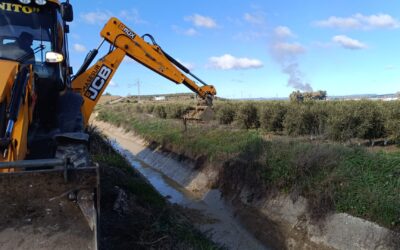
x: 85, y: 200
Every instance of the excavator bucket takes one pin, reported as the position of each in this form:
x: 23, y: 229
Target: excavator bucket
x: 202, y: 112
x: 199, y: 114
x: 45, y: 204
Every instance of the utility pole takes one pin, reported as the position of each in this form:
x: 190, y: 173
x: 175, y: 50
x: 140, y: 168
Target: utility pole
x: 138, y: 89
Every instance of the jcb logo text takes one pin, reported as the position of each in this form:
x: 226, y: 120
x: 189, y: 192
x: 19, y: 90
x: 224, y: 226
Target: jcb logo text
x: 98, y: 83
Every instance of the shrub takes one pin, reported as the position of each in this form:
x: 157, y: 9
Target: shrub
x: 248, y: 116
x: 159, y: 111
x: 226, y: 114
x: 336, y: 120
x: 176, y: 111
x: 392, y: 120
x: 305, y: 119
x: 273, y: 115
x: 149, y: 108
x: 318, y: 117
x: 139, y: 109
x: 355, y: 119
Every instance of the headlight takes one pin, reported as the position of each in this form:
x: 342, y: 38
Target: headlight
x: 25, y: 1
x: 39, y: 2
x: 53, y: 57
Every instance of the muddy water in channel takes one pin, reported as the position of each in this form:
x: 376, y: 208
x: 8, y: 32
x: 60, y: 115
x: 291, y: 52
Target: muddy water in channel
x: 211, y: 214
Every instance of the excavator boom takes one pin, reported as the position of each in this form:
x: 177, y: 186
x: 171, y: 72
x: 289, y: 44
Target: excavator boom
x: 124, y: 42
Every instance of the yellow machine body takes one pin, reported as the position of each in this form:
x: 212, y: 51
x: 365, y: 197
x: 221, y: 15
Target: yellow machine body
x: 92, y: 83
x: 17, y: 149
x: 24, y: 87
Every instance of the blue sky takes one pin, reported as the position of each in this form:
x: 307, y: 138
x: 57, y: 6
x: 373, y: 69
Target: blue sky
x: 255, y: 48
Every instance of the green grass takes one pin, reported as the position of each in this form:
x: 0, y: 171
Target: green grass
x: 354, y: 181
x: 155, y: 219
x: 332, y: 177
x: 370, y: 186
x: 197, y: 140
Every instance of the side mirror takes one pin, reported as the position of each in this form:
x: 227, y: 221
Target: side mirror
x: 53, y: 57
x: 67, y: 12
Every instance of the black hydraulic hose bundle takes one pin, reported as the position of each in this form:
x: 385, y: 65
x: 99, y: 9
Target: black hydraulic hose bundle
x: 17, y: 97
x: 88, y: 60
x: 18, y: 92
x: 183, y: 68
x: 174, y: 61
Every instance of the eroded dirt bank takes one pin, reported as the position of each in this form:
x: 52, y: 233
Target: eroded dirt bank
x: 278, y: 221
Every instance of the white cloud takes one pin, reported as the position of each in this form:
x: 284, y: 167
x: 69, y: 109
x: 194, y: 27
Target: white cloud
x: 228, y: 61
x: 283, y: 31
x: 348, y: 43
x: 79, y: 48
x: 113, y: 84
x: 339, y: 22
x: 379, y: 21
x: 254, y: 18
x: 96, y: 17
x: 360, y: 21
x: 190, y: 32
x: 202, y: 21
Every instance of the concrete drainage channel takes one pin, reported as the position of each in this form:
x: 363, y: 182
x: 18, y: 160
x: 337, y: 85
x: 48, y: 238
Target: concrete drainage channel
x: 278, y: 222
x: 215, y: 216
x: 212, y: 214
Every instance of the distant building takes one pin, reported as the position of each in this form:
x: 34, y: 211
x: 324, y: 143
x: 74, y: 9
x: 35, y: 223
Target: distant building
x: 159, y: 98
x: 372, y: 97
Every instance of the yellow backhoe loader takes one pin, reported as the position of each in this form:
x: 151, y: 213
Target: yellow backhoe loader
x: 49, y: 188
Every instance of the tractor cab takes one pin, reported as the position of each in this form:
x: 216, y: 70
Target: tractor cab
x: 33, y: 32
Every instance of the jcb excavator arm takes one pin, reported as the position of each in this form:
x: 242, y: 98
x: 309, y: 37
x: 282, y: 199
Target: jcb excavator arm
x: 124, y: 42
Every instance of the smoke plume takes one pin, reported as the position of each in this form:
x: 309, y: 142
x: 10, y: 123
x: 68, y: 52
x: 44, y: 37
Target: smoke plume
x: 286, y: 54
